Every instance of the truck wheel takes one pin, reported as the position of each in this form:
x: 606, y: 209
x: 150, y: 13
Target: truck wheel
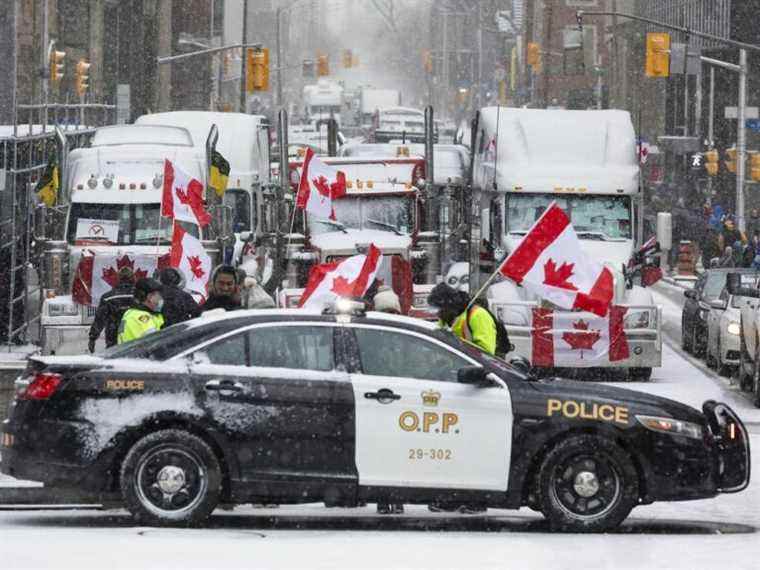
x: 586, y: 483
x: 640, y: 374
x: 171, y: 478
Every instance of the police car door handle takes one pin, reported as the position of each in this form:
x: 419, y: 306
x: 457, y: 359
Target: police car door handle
x: 224, y: 386
x: 384, y: 396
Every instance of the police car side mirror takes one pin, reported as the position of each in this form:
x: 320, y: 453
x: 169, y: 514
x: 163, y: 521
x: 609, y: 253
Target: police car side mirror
x: 521, y: 364
x: 474, y: 375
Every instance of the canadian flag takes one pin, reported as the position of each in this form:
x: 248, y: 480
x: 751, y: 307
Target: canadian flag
x: 550, y: 263
x: 182, y: 198
x: 569, y: 338
x: 189, y: 256
x: 95, y: 275
x: 320, y: 184
x: 347, y: 278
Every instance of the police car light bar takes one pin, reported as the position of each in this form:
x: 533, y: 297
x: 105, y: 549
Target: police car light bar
x: 345, y: 306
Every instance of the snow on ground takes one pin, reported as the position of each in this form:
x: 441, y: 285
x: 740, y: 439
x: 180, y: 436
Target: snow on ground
x: 719, y: 532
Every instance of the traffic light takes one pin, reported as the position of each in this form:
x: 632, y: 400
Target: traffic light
x: 427, y: 60
x: 754, y: 165
x: 354, y: 60
x: 82, y: 77
x: 56, y: 65
x: 658, y: 55
x: 257, y: 70
x: 711, y: 162
x: 323, y: 65
x: 534, y: 55
x: 348, y: 58
x: 731, y: 160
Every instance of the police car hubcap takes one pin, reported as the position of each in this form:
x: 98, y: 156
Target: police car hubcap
x: 171, y: 479
x: 586, y: 484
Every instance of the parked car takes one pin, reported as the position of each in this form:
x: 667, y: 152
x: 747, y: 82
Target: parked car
x: 724, y: 327
x: 697, y: 306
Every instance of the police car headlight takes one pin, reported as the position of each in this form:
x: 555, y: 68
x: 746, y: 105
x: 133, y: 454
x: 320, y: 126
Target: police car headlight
x: 637, y: 320
x: 671, y: 426
x: 734, y: 328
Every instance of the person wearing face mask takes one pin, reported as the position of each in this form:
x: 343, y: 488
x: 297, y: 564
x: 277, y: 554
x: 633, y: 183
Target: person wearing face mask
x: 144, y: 316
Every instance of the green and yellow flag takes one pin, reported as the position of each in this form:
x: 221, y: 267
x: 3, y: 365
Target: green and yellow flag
x: 219, y: 174
x: 47, y: 185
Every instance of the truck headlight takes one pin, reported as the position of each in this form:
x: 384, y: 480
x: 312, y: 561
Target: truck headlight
x: 62, y: 310
x: 637, y: 320
x: 671, y: 426
x: 734, y: 328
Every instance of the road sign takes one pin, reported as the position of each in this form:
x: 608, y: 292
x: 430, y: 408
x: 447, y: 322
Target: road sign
x: 733, y: 113
x: 123, y: 103
x: 753, y: 124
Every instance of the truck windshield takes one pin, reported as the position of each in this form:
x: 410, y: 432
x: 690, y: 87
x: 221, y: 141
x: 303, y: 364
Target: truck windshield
x: 593, y: 217
x: 120, y: 224
x: 384, y: 213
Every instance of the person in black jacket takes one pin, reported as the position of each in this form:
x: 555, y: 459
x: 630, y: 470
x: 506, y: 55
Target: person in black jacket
x: 179, y: 305
x: 111, y: 309
x: 225, y: 289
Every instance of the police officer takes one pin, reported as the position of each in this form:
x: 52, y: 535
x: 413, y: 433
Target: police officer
x: 179, y: 305
x: 111, y: 309
x: 225, y: 289
x: 144, y: 317
x: 475, y: 325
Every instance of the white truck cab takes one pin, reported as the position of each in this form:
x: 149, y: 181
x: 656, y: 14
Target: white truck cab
x: 111, y: 198
x: 524, y: 159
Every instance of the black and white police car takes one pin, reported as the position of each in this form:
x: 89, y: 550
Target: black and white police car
x: 289, y: 406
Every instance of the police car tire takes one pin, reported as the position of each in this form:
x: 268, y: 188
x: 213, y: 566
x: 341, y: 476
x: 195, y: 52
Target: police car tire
x: 150, y: 455
x: 617, y: 469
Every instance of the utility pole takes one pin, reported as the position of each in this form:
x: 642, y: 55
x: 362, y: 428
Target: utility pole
x: 279, y: 56
x: 244, y: 62
x: 44, y: 64
x: 445, y: 86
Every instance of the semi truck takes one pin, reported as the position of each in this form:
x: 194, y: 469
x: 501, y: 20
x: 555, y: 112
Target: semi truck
x: 322, y: 101
x: 109, y: 210
x: 525, y: 159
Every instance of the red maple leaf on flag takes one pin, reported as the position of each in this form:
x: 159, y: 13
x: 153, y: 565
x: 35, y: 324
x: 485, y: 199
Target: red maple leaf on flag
x: 559, y: 277
x: 111, y: 274
x: 344, y: 287
x: 183, y: 196
x: 322, y: 186
x: 196, y: 266
x: 584, y: 339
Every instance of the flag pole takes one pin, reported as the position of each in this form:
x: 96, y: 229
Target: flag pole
x: 158, y: 234
x: 483, y: 287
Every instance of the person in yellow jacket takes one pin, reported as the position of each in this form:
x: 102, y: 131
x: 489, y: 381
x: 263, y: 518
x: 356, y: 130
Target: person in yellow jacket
x: 475, y: 325
x: 144, y: 317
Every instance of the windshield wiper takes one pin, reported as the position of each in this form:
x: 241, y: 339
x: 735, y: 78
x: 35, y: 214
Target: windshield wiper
x: 593, y: 235
x: 517, y: 233
x: 338, y: 225
x: 152, y: 240
x: 391, y: 227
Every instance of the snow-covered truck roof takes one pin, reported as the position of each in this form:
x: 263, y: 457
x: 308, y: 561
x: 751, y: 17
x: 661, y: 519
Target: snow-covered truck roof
x: 119, y: 135
x: 129, y: 173
x: 536, y: 150
x: 238, y: 139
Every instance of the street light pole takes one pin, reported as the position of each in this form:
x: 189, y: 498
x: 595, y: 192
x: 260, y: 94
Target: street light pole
x: 244, y: 61
x: 279, y: 57
x: 741, y: 139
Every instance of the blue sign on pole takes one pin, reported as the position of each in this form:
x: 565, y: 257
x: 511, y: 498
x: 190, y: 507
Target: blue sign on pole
x: 753, y: 124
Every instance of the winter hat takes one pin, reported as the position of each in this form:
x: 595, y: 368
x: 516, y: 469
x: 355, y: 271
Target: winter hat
x: 387, y: 301
x: 170, y: 276
x: 126, y: 275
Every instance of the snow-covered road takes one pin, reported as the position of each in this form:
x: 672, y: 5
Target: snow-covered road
x: 715, y: 533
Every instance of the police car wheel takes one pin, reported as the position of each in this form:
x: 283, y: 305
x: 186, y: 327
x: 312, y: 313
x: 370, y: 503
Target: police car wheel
x: 586, y: 484
x: 171, y: 478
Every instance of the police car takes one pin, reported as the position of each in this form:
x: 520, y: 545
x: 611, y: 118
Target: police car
x: 289, y: 406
